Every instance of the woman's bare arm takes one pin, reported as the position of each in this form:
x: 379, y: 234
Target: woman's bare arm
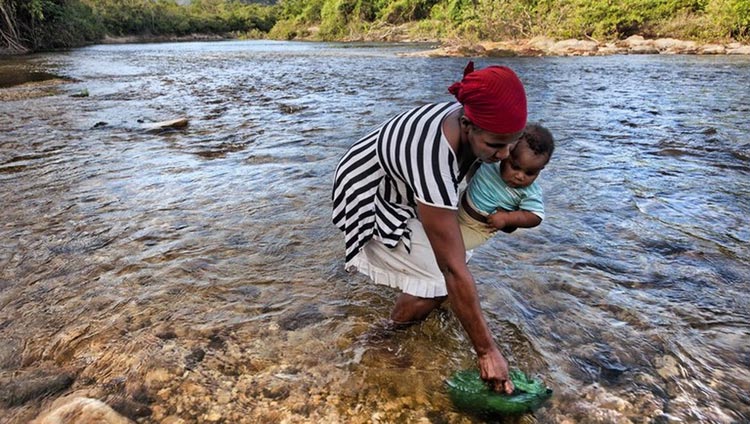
x: 441, y: 227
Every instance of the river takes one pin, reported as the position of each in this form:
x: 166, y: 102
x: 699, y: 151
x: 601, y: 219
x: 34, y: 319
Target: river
x: 193, y: 275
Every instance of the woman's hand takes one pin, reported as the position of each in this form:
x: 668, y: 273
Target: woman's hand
x: 493, y: 368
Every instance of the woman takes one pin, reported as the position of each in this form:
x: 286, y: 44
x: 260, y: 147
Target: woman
x: 395, y: 196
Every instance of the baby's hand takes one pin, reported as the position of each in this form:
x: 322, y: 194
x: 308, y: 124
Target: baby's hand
x: 497, y: 220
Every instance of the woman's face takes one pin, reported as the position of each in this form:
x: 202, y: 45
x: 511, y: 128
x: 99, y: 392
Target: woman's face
x: 488, y: 146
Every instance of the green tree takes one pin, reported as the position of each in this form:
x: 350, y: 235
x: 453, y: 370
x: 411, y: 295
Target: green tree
x: 41, y: 24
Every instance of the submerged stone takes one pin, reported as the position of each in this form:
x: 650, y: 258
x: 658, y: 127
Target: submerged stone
x: 80, y: 410
x: 157, y: 127
x: 303, y: 317
x: 23, y: 388
x: 129, y: 408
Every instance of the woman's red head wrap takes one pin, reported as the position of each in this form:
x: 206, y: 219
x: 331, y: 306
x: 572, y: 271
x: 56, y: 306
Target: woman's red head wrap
x: 493, y: 98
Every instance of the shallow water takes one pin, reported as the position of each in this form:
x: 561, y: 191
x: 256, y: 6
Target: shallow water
x: 196, y: 272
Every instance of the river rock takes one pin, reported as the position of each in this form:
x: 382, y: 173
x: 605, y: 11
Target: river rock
x: 712, y: 49
x: 157, y: 378
x: 10, y: 354
x: 213, y: 415
x: 611, y: 48
x: 128, y: 407
x: 305, y: 316
x: 276, y: 390
x: 23, y: 387
x: 541, y: 43
x: 665, y: 44
x: 592, y: 414
x: 573, y: 47
x: 501, y: 52
x: 166, y: 125
x: 82, y: 93
x: 194, y: 357
x: 605, y: 399
x: 674, y: 46
x: 636, y: 44
x: 667, y: 367
x: 80, y: 410
x: 643, y: 49
x: 635, y: 41
x: 738, y: 49
x: 471, y: 50
x: 685, y: 47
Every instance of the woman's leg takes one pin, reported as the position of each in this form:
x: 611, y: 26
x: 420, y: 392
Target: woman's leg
x: 410, y: 309
x: 415, y: 272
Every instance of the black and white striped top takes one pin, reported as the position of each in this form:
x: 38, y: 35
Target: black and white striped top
x: 380, y: 178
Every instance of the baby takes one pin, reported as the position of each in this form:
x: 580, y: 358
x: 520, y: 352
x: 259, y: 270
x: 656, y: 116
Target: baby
x: 504, y: 196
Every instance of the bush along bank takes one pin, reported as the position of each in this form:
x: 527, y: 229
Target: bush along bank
x: 36, y: 25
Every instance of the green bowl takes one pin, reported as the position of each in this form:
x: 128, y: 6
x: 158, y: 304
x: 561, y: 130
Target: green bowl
x: 470, y: 393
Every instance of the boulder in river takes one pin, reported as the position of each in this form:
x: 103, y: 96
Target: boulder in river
x: 166, y: 125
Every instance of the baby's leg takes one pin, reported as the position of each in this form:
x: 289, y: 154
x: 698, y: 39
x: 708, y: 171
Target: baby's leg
x: 473, y: 232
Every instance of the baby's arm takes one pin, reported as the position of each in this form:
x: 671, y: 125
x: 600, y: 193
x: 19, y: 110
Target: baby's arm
x: 508, y: 221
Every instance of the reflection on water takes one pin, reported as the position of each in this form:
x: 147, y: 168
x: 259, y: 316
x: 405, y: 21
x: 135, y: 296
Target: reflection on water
x: 195, y: 274
x: 16, y: 76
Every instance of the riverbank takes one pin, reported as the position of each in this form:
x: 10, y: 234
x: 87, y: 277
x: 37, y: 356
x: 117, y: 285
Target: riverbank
x: 130, y: 39
x: 545, y: 46
x: 536, y: 46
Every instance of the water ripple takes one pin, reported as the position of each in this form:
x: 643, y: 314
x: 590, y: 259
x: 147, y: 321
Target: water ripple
x: 208, y: 254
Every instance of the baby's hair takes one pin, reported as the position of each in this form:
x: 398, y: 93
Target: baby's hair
x: 539, y: 140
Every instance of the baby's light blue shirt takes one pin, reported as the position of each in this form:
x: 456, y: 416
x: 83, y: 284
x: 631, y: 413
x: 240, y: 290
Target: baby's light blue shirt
x: 488, y: 192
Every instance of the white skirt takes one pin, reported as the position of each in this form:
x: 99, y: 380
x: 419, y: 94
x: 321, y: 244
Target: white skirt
x: 415, y: 272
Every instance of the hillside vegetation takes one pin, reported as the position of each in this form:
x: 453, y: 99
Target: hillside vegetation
x: 28, y: 25
x: 700, y: 20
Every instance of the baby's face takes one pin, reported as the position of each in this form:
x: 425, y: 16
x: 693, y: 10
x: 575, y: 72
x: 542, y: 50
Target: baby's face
x: 522, y: 167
